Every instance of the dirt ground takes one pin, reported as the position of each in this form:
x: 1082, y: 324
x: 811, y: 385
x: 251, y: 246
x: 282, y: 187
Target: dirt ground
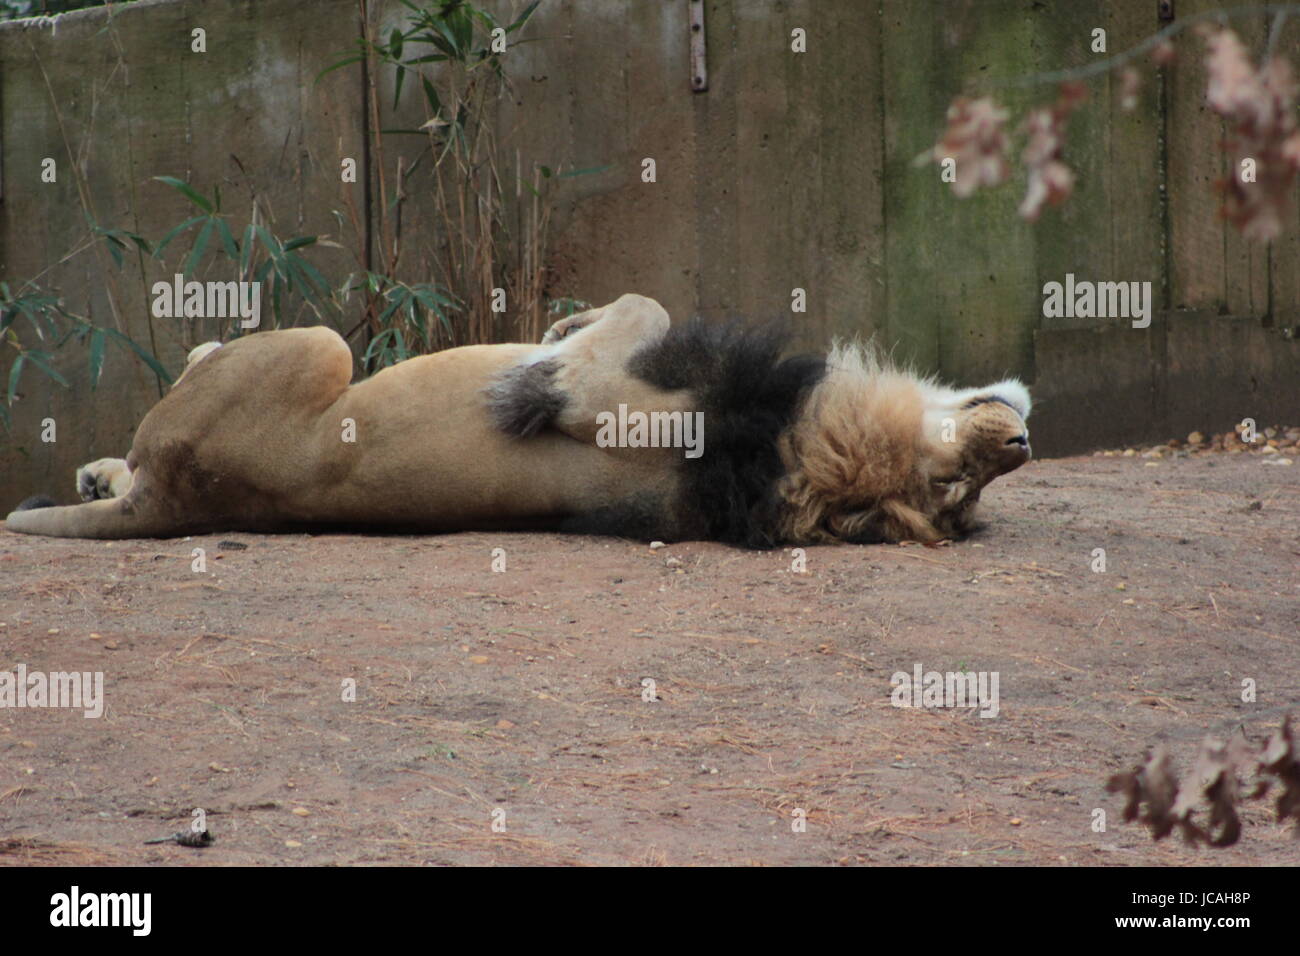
x: 519, y: 693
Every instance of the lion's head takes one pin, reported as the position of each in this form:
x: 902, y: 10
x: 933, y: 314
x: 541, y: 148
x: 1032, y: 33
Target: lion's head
x: 881, y: 455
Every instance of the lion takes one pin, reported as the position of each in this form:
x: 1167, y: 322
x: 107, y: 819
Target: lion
x: 266, y: 434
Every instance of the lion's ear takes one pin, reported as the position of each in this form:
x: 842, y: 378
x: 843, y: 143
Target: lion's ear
x: 905, y: 523
x: 891, y: 521
x: 1009, y: 392
x: 857, y: 527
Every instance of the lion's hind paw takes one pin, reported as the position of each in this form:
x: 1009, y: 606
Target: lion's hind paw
x: 106, y: 478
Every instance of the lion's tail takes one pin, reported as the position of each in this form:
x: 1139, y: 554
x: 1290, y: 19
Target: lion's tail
x: 110, y: 518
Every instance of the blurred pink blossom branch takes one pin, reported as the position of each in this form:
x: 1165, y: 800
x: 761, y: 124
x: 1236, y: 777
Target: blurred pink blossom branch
x: 1256, y: 105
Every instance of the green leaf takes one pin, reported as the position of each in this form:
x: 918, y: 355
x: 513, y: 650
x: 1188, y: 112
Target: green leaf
x: 397, y: 87
x: 166, y: 240
x: 200, y: 247
x: 294, y: 265
x: 277, y: 285
x: 314, y: 276
x: 393, y: 305
x: 14, y: 372
x: 247, y: 251
x: 376, y: 343
x: 523, y: 17
x: 154, y: 365
x: 228, y: 241
x: 114, y: 249
x: 139, y: 241
x: 190, y: 193
x: 39, y: 360
x: 482, y: 16
x: 346, y: 61
x: 463, y: 27
x: 432, y: 300
x: 431, y: 96
x: 298, y: 243
x: 448, y: 44
x: 271, y: 245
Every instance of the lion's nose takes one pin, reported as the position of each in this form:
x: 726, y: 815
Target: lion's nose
x: 1015, y: 452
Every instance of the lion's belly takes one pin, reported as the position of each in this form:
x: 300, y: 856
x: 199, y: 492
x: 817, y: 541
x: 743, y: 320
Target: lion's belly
x: 413, y: 448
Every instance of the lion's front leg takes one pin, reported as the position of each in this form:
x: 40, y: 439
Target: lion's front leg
x: 568, y: 326
x: 581, y: 370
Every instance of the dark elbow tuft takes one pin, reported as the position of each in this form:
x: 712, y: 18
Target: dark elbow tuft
x: 524, y: 399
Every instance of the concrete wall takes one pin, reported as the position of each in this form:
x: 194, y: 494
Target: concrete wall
x: 791, y: 170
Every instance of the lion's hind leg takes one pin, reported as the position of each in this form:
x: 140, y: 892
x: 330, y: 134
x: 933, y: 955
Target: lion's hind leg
x: 111, y: 477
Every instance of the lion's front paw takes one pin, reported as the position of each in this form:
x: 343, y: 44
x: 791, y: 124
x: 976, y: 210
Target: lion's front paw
x: 566, y: 327
x: 106, y: 478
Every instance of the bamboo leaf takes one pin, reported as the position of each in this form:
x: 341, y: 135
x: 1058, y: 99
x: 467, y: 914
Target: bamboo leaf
x: 154, y: 365
x: 114, y: 249
x: 14, y: 372
x: 246, y: 253
x: 166, y: 240
x: 39, y: 360
x: 188, y: 191
x: 228, y: 241
x: 393, y: 305
x: 200, y: 246
x: 313, y: 275
x: 523, y: 17
x: 346, y: 61
x: 431, y: 96
x: 397, y: 87
x: 376, y: 344
x: 271, y: 245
